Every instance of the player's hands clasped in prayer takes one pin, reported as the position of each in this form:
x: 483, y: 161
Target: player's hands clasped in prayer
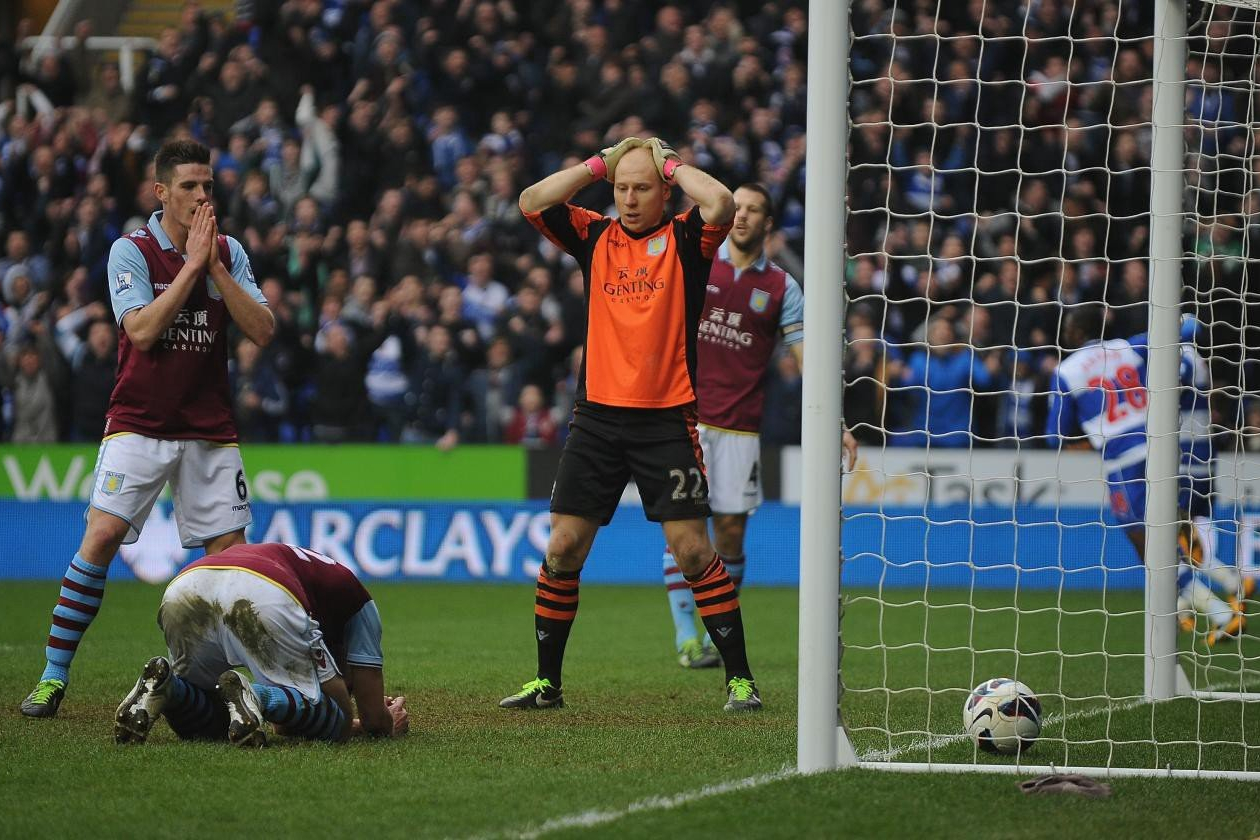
x: 201, y: 236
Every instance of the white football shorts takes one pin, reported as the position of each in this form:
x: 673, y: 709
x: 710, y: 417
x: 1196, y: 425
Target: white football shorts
x: 207, y: 482
x: 732, y: 461
x: 216, y: 619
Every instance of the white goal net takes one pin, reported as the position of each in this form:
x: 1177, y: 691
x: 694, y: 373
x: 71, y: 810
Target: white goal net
x: 1032, y: 356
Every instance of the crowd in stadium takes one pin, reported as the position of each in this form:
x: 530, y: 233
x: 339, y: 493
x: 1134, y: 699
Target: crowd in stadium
x: 369, y: 155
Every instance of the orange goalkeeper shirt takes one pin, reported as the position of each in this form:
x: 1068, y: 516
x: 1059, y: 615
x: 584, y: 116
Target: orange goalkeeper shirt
x: 644, y: 294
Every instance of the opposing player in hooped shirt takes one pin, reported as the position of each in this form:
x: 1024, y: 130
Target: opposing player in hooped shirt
x: 305, y: 628
x: 174, y: 285
x: 1100, y: 392
x: 751, y: 305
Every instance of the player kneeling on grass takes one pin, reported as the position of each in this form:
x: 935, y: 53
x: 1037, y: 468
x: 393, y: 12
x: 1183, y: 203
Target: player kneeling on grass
x: 304, y: 626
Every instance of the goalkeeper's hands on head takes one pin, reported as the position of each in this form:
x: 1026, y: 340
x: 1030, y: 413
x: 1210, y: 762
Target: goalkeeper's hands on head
x: 604, y: 164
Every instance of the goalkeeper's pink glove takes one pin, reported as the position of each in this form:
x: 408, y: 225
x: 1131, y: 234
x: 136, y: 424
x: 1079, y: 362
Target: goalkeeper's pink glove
x: 665, y: 158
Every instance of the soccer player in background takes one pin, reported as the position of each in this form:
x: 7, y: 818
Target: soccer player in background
x: 1197, y: 537
x: 304, y: 626
x: 174, y: 284
x: 635, y: 413
x: 1100, y: 391
x: 750, y: 304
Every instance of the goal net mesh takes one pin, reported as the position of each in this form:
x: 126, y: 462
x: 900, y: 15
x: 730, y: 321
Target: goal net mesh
x: 999, y: 180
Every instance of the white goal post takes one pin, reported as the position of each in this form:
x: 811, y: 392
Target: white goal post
x: 1024, y: 573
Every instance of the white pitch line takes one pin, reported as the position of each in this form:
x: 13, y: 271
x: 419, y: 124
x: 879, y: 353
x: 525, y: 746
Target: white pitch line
x: 1050, y: 720
x: 945, y: 740
x: 595, y: 816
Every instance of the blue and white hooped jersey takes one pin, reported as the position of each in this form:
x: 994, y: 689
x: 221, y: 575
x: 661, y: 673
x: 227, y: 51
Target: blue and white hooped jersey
x: 1100, y: 390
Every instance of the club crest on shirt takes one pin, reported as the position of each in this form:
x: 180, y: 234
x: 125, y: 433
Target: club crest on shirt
x: 122, y: 282
x: 656, y: 246
x: 111, y: 483
x: 759, y: 300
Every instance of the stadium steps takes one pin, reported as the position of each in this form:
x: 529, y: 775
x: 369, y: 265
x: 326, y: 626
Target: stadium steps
x: 147, y: 18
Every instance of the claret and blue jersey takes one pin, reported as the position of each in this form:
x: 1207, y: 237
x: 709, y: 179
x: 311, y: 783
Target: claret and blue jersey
x: 177, y: 389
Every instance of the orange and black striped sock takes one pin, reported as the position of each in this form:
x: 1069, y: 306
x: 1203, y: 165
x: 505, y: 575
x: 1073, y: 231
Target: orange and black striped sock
x: 718, y: 605
x: 555, y: 607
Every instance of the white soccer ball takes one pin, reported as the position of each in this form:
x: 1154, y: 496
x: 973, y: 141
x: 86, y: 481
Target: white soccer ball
x: 1002, y: 716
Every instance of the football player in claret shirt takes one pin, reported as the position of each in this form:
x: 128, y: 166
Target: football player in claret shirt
x: 174, y: 284
x: 750, y: 306
x: 306, y: 629
x: 635, y: 414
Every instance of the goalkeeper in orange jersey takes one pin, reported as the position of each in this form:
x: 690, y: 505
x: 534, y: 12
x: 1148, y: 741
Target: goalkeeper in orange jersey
x: 635, y: 415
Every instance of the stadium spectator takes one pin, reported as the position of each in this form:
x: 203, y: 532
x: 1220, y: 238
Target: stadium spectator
x: 22, y: 306
x: 785, y: 390
x: 868, y: 370
x: 339, y: 407
x: 436, y: 392
x: 492, y: 392
x: 106, y: 99
x: 942, y: 381
x: 259, y: 396
x: 34, y: 384
x: 321, y: 150
x: 448, y: 142
x: 484, y: 297
x: 18, y: 253
x: 92, y: 368
x: 532, y: 423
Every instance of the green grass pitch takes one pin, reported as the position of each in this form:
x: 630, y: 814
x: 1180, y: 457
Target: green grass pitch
x: 637, y: 729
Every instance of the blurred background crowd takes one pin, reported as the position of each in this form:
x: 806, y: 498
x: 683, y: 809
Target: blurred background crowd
x: 368, y: 155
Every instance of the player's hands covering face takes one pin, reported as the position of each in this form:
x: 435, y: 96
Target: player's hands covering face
x: 201, y: 236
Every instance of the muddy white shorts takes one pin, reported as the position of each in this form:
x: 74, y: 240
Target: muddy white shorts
x: 216, y: 619
x: 207, y: 482
x: 733, y: 463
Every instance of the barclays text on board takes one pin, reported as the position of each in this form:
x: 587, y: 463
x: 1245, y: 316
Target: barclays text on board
x: 953, y: 545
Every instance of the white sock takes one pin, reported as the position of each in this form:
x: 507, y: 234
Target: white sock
x: 1203, y: 600
x: 1225, y: 577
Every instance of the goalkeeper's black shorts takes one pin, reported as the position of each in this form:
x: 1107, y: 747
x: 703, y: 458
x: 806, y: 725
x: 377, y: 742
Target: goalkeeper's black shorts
x: 608, y: 445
